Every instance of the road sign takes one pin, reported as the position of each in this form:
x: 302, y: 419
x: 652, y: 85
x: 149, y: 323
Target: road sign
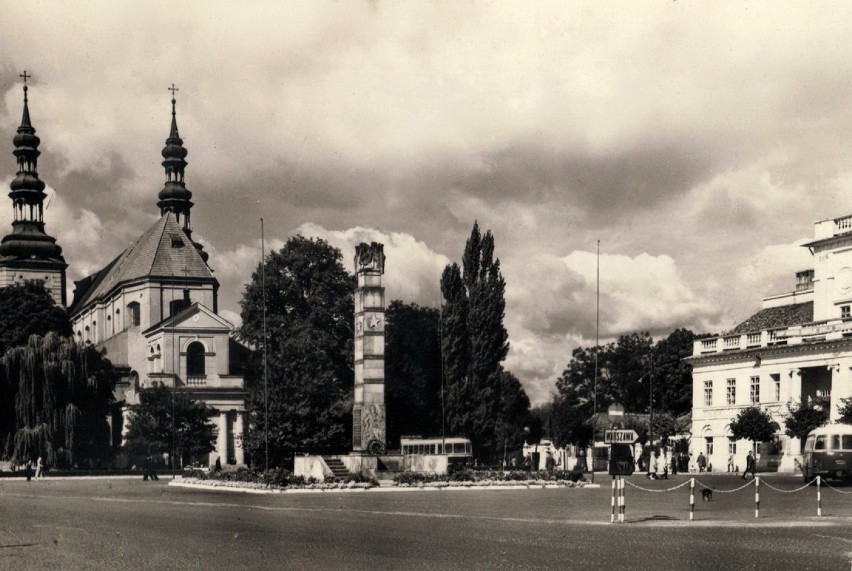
x: 620, y: 437
x: 621, y: 459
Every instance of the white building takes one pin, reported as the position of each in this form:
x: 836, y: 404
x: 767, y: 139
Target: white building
x: 153, y: 309
x: 798, y: 347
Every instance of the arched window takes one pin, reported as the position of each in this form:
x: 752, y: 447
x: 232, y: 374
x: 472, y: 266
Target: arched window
x: 133, y: 313
x: 195, y: 360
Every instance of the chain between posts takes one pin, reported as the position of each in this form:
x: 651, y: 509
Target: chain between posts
x: 656, y: 491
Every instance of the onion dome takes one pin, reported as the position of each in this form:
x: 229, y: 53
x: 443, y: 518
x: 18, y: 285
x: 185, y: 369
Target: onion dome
x: 175, y: 197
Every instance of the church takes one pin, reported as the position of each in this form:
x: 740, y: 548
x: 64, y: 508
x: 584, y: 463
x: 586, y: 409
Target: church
x: 798, y: 347
x: 153, y: 309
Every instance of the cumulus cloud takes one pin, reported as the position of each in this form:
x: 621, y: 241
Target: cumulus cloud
x: 412, y: 269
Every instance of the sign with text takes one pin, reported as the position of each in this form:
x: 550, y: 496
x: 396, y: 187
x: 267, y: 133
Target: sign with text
x: 620, y: 437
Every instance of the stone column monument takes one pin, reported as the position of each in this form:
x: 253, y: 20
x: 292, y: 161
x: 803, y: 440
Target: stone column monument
x: 368, y: 411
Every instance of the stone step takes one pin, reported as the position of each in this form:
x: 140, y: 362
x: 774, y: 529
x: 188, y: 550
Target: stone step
x: 336, y: 466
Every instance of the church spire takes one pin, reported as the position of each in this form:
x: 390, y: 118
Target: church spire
x: 175, y: 197
x: 28, y: 248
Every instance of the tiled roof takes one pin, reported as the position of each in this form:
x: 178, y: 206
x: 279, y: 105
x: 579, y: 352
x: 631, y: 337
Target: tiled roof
x: 164, y: 250
x: 777, y: 317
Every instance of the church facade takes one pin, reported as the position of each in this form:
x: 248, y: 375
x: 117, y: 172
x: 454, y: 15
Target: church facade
x: 798, y: 347
x: 152, y: 309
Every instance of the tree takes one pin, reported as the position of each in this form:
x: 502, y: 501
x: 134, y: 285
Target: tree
x: 28, y: 309
x: 666, y: 425
x: 61, y: 396
x: 513, y: 414
x: 310, y: 315
x: 149, y: 428
x: 755, y: 424
x: 845, y: 410
x: 804, y: 416
x: 475, y: 342
x: 412, y: 370
x: 672, y: 375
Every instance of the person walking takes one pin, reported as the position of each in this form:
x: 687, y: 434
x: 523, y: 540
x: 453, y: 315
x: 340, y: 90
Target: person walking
x: 750, y: 466
x: 39, y: 469
x: 731, y: 463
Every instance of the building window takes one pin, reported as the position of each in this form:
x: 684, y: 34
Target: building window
x: 133, y: 314
x: 776, y: 379
x: 708, y: 393
x: 732, y: 391
x: 732, y: 446
x: 844, y: 312
x: 709, y: 441
x: 755, y: 390
x: 195, y: 360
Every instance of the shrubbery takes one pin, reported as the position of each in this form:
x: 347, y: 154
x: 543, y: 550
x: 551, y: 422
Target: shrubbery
x: 276, y: 477
x: 468, y: 475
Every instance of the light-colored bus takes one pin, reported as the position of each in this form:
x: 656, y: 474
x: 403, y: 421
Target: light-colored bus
x: 458, y: 449
x: 828, y: 452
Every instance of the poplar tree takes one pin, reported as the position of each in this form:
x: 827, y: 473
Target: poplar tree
x: 475, y: 343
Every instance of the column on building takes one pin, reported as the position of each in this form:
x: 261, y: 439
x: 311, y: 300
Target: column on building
x: 239, y: 427
x: 791, y: 390
x: 841, y: 387
x: 222, y: 439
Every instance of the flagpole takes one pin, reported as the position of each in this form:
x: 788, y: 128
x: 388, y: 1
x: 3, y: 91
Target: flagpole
x: 265, y: 375
x: 597, y: 347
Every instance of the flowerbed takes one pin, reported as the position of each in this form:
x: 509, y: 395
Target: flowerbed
x: 279, y: 479
x: 474, y: 478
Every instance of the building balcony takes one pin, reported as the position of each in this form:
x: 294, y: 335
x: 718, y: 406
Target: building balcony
x: 807, y: 333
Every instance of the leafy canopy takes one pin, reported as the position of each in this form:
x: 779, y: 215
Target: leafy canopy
x: 150, y: 425
x: 28, y: 309
x: 309, y: 341
x: 755, y: 424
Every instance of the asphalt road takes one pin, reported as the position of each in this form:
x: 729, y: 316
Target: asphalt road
x: 129, y: 524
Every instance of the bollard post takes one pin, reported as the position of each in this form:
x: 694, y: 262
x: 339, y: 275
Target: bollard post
x: 757, y: 497
x: 623, y: 504
x: 691, y: 499
x: 819, y: 498
x: 612, y: 502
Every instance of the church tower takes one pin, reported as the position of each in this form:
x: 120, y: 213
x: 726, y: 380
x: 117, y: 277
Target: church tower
x: 175, y: 197
x: 28, y: 253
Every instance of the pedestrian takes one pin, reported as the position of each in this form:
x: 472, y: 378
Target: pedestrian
x: 702, y: 462
x: 652, y: 466
x: 39, y: 469
x: 731, y: 463
x: 549, y: 462
x: 750, y: 466
x: 28, y: 469
x: 152, y: 468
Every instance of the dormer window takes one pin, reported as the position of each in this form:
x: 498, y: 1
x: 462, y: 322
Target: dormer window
x: 177, y: 241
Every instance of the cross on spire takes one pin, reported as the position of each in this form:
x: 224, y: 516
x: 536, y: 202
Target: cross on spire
x: 173, y: 89
x: 25, y: 76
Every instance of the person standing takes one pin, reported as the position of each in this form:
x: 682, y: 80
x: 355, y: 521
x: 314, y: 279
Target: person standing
x: 702, y: 462
x: 731, y: 463
x: 28, y: 469
x: 39, y: 469
x: 750, y: 466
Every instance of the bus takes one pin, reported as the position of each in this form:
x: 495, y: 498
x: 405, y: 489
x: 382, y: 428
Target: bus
x: 828, y: 452
x: 457, y: 449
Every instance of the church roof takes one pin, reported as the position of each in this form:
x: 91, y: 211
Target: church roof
x: 776, y: 318
x: 163, y: 251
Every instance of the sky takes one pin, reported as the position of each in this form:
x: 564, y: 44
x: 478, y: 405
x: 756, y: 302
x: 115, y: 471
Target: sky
x: 698, y: 142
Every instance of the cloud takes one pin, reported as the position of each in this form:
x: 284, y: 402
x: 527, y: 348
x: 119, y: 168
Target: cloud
x: 412, y: 269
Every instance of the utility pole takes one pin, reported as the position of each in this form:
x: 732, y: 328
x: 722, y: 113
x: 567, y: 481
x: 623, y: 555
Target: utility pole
x: 597, y: 348
x: 265, y: 375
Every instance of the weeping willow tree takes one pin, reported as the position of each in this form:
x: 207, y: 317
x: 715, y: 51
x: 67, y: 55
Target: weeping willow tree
x: 59, y: 394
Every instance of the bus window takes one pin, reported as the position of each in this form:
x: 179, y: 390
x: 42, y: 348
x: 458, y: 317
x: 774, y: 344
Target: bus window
x: 847, y: 441
x: 440, y: 449
x: 820, y: 443
x: 458, y: 448
x: 835, y: 442
x: 809, y: 443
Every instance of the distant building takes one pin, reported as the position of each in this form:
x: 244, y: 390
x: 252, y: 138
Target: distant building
x: 798, y: 347
x: 153, y: 308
